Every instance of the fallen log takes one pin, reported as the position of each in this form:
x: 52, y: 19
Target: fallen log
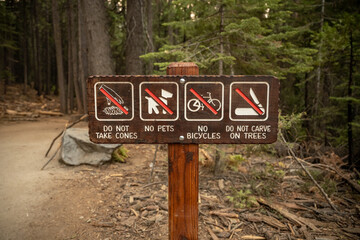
x: 49, y: 113
x: 13, y: 112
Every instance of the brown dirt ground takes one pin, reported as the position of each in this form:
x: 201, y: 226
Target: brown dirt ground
x: 120, y: 201
x: 116, y: 201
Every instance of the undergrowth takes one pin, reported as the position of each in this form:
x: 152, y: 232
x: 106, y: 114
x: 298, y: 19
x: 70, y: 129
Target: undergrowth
x: 243, y: 199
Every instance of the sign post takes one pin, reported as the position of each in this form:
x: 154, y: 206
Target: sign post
x: 183, y: 177
x: 183, y: 109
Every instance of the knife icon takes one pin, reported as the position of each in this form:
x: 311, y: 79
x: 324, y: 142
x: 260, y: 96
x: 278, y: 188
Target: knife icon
x: 256, y: 107
x: 256, y: 100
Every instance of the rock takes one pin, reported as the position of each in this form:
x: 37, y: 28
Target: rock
x: 77, y: 148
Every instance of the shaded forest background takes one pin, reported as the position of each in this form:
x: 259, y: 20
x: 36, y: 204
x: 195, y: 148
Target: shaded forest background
x: 312, y: 46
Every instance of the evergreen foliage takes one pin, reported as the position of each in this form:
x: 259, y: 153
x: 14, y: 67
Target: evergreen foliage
x: 312, y: 46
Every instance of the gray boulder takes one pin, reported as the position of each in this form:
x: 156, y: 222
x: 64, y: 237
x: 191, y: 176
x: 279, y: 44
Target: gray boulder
x: 77, y: 148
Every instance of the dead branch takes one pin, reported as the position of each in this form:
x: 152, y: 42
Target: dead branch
x: 212, y: 234
x: 233, y: 231
x: 309, y: 174
x: 207, y: 155
x: 52, y: 157
x: 61, y: 133
x: 223, y: 214
x: 357, y: 172
x: 50, y: 113
x: 53, y: 141
x: 251, y: 237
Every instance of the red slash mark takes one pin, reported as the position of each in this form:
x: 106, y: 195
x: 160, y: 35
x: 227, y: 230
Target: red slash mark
x: 159, y: 101
x: 113, y: 100
x: 249, y: 101
x: 203, y: 101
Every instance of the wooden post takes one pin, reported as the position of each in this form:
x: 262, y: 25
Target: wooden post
x: 183, y: 177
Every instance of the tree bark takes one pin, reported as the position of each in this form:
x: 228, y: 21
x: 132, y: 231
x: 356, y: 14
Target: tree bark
x: 221, y: 63
x: 59, y: 56
x: 74, y: 57
x: 5, y: 68
x: 218, y: 148
x: 48, y: 51
x: 99, y: 52
x: 24, y: 39
x: 306, y: 122
x: 135, y: 38
x: 170, y: 28
x: 38, y: 48
x: 34, y: 46
x: 318, y: 71
x: 149, y: 31
x: 69, y: 62
x: 82, y: 53
x: 349, y: 105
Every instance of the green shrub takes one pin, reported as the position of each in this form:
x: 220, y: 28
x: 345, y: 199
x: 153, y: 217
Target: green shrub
x: 120, y: 154
x: 243, y: 199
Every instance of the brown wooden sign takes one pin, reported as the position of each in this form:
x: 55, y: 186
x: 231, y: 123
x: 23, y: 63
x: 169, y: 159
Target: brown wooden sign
x: 183, y: 109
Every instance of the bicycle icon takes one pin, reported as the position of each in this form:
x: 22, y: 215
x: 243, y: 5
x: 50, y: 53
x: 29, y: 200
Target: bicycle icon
x: 195, y: 105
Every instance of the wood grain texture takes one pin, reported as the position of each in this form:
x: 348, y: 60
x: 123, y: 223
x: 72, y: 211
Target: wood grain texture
x: 183, y: 191
x: 183, y: 177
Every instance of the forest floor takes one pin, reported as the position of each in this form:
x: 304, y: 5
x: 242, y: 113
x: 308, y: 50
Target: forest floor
x: 254, y: 196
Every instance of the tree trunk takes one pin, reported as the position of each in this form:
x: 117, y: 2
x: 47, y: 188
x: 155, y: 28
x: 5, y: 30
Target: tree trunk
x: 135, y: 38
x: 5, y: 68
x: 99, y: 52
x: 82, y: 53
x: 149, y: 31
x: 307, y: 108
x: 218, y: 147
x: 24, y: 39
x: 59, y: 56
x: 34, y: 46
x: 318, y: 71
x: 170, y: 30
x: 39, y: 49
x: 48, y: 53
x: 221, y: 63
x: 2, y: 67
x: 74, y: 57
x: 349, y: 105
x: 70, y: 73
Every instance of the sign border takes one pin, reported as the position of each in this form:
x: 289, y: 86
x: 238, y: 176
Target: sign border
x: 267, y: 103
x: 132, y: 102
x: 182, y: 126
x: 222, y: 102
x: 162, y: 119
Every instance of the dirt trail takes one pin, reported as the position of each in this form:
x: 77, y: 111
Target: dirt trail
x: 23, y: 186
x: 118, y: 201
x: 60, y: 202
